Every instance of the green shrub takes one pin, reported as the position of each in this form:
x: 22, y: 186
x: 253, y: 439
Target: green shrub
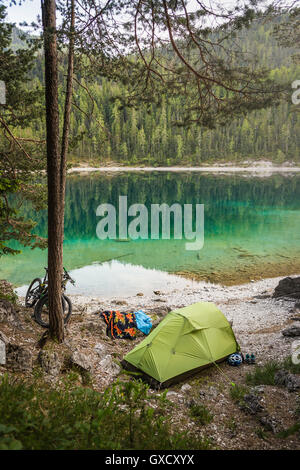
x: 237, y: 392
x: 201, y: 414
x: 263, y: 375
x: 36, y: 416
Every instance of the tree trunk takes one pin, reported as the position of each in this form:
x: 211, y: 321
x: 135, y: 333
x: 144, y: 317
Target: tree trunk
x: 67, y: 114
x: 55, y: 214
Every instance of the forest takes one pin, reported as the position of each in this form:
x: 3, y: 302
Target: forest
x: 103, y: 131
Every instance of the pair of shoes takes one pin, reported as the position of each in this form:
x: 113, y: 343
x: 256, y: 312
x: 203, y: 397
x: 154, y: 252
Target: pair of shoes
x: 250, y: 358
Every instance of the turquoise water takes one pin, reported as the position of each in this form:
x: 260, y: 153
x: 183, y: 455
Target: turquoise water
x: 252, y: 230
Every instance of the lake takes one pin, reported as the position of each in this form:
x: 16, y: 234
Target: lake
x: 252, y: 231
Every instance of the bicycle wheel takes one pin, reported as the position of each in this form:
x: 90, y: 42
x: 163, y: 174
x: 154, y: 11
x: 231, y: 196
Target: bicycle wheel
x: 32, y: 293
x: 41, y: 311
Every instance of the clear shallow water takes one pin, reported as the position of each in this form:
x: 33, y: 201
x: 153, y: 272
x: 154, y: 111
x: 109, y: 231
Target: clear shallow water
x: 114, y: 279
x: 252, y: 230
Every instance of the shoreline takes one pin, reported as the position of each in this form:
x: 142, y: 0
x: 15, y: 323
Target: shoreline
x: 265, y: 170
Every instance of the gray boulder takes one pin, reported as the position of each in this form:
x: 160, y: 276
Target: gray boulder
x: 18, y: 358
x: 50, y: 362
x: 81, y: 361
x: 251, y: 404
x: 284, y: 378
x: 288, y: 287
x: 8, y: 313
x: 109, y: 366
x: 292, y: 331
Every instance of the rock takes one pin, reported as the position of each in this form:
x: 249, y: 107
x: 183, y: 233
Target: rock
x: 100, y: 349
x: 161, y: 311
x: 251, y: 404
x: 262, y: 296
x: 185, y: 388
x: 81, y: 361
x: 2, y: 352
x: 4, y: 338
x: 259, y: 389
x: 171, y: 394
x: 18, y: 358
x: 292, y: 331
x: 8, y: 313
x: 288, y: 287
x: 120, y: 302
x: 140, y: 294
x: 109, y: 366
x: 50, y: 362
x: 96, y: 327
x: 212, y: 392
x: 284, y: 378
x: 270, y: 423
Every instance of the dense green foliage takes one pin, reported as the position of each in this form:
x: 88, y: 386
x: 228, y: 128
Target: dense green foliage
x: 35, y: 417
x: 104, y: 130
x: 19, y: 157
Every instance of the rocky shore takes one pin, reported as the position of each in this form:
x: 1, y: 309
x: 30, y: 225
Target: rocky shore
x: 263, y: 325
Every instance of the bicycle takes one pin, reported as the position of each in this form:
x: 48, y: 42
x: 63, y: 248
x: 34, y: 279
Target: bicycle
x: 37, y: 297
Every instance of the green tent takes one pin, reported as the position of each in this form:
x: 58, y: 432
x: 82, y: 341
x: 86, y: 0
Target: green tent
x: 186, y: 340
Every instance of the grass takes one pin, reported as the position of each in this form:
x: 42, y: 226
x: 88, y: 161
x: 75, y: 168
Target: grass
x: 201, y: 414
x: 237, y: 392
x: 36, y: 416
x: 294, y: 429
x: 265, y: 375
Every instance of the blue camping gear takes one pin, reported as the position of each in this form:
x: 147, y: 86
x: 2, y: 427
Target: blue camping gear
x: 143, y: 322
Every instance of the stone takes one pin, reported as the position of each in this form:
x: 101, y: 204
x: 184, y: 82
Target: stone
x: 292, y: 331
x: 2, y: 353
x: 288, y: 287
x: 109, y: 366
x: 251, y: 404
x: 284, y: 378
x: 270, y: 423
x: 8, y: 313
x: 259, y: 389
x: 50, y: 362
x: 18, y: 358
x: 185, y: 388
x: 140, y: 294
x: 4, y: 338
x: 81, y: 361
x: 171, y: 394
x: 100, y: 349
